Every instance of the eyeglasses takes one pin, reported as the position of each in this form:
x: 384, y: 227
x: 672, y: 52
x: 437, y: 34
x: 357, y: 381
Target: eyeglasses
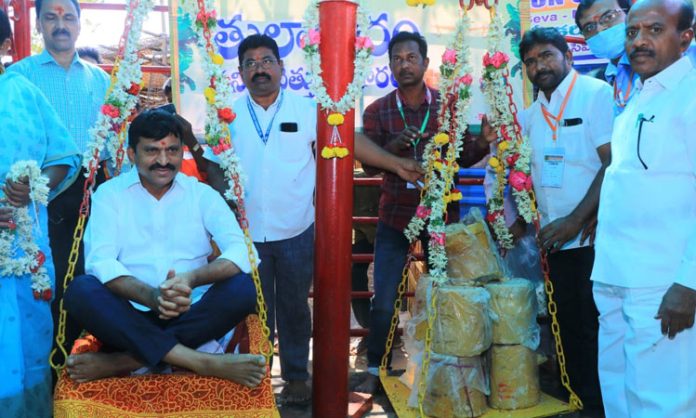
x: 265, y: 63
x: 605, y: 20
x: 641, y: 120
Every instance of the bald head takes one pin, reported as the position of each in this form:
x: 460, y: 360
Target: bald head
x: 657, y: 34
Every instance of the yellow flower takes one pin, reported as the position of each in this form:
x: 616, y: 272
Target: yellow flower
x: 503, y: 146
x: 413, y: 3
x: 494, y: 162
x: 341, y: 152
x: 438, y: 165
x: 437, y: 154
x: 456, y: 196
x: 455, y: 166
x: 209, y: 94
x: 335, y: 119
x: 428, y: 2
x: 217, y: 59
x: 441, y: 138
x: 328, y: 153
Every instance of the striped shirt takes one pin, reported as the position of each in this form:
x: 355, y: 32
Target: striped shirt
x: 76, y: 94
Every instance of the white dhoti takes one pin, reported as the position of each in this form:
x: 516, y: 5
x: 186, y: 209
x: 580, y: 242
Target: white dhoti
x: 643, y: 374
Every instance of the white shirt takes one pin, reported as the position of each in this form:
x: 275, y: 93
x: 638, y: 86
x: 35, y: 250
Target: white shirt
x: 130, y: 233
x: 646, y: 236
x: 279, y: 193
x: 591, y: 102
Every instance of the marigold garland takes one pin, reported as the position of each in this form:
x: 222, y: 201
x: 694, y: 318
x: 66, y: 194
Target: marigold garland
x: 363, y: 59
x: 19, y: 238
x: 122, y: 96
x: 512, y: 161
x: 455, y: 100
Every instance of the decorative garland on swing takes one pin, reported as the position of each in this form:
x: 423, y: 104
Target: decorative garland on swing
x: 363, y: 59
x: 511, y: 164
x: 122, y: 96
x: 19, y: 236
x: 455, y: 100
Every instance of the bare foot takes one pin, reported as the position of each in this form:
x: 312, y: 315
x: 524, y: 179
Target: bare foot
x: 92, y: 366
x: 296, y: 392
x: 369, y: 385
x: 245, y: 369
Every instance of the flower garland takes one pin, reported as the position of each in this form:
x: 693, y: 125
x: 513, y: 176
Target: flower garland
x: 416, y: 3
x: 362, y: 62
x: 20, y: 231
x: 217, y: 94
x: 122, y: 96
x: 513, y: 152
x: 455, y: 100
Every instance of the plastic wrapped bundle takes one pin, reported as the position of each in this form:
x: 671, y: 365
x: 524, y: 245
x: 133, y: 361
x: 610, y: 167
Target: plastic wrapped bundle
x: 420, y: 305
x: 514, y: 304
x: 462, y: 326
x: 456, y: 387
x: 514, y: 377
x: 470, y: 253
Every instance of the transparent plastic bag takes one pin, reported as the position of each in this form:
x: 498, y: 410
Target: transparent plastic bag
x: 514, y: 377
x: 514, y: 304
x: 463, y: 324
x: 523, y: 260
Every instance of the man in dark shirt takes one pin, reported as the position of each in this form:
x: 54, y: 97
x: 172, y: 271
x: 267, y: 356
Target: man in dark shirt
x: 402, y: 122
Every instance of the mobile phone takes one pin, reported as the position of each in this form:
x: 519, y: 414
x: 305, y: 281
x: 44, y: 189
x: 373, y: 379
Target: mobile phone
x: 288, y: 127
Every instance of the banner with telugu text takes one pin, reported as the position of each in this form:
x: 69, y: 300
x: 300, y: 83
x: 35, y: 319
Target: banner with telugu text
x: 282, y: 20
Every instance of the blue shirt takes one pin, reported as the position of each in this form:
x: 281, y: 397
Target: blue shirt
x: 76, y: 94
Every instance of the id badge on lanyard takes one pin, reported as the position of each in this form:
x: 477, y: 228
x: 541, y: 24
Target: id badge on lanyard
x: 552, y: 167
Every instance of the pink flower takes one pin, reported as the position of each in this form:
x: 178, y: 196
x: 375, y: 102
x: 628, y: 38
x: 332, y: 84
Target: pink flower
x: 466, y: 80
x: 422, y: 212
x: 110, y: 111
x: 438, y: 238
x: 314, y: 37
x: 520, y: 181
x: 449, y: 57
x: 363, y: 42
x: 511, y: 160
x: 486, y: 60
x: 220, y: 148
x: 497, y: 60
x: 302, y: 42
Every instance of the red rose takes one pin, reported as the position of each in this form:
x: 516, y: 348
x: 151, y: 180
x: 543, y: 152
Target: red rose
x: 40, y: 260
x: 511, y: 160
x: 499, y: 59
x: 134, y: 89
x: 37, y: 295
x: 226, y: 115
x: 110, y: 111
x: 47, y: 295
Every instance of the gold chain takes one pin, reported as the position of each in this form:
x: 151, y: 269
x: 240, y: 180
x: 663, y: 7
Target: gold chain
x: 266, y: 348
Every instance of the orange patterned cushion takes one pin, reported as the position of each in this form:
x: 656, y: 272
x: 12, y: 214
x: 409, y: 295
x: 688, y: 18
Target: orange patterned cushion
x: 171, y: 396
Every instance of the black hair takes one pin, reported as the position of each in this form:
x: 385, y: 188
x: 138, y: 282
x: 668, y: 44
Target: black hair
x: 686, y: 15
x: 89, y: 52
x: 257, y: 41
x: 409, y: 36
x: 539, y: 35
x: 167, y: 86
x: 39, y: 3
x: 5, y: 29
x: 153, y: 124
x: 624, y: 5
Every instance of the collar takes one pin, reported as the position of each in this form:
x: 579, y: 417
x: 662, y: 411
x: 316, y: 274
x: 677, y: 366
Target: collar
x: 560, y: 91
x: 45, y: 57
x: 271, y: 107
x: 612, y: 70
x: 427, y: 97
x: 670, y: 77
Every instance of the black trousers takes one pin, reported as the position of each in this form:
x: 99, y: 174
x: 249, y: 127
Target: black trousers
x: 121, y: 327
x: 578, y: 318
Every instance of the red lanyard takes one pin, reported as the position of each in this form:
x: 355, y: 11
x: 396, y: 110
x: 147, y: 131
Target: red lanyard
x: 621, y: 102
x: 557, y: 118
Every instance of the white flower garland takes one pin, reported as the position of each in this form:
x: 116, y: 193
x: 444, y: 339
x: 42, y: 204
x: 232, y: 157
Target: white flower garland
x: 362, y: 62
x: 21, y: 236
x: 455, y: 84
x: 512, y: 161
x: 218, y: 95
x: 122, y: 95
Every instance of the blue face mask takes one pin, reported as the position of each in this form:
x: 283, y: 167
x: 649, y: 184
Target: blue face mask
x: 609, y: 43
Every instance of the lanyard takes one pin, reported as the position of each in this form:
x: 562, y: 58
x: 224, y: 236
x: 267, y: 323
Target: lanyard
x: 399, y: 105
x: 548, y: 116
x: 621, y: 101
x: 255, y: 119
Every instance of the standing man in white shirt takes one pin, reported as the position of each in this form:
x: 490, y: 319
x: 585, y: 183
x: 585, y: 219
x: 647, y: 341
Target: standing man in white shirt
x: 569, y: 129
x: 645, y: 271
x: 150, y: 294
x: 274, y: 135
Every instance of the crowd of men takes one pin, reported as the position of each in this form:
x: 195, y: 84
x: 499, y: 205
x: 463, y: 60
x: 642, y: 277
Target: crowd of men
x: 613, y: 167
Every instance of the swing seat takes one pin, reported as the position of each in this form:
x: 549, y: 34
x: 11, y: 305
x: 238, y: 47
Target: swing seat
x: 171, y: 396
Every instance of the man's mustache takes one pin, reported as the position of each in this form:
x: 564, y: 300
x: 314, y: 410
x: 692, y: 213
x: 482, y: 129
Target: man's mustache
x: 405, y: 73
x: 60, y: 31
x: 160, y: 166
x: 259, y: 75
x: 642, y: 51
x: 541, y: 74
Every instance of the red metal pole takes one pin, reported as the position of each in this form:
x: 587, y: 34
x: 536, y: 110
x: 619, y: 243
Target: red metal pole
x: 334, y: 206
x: 22, y: 29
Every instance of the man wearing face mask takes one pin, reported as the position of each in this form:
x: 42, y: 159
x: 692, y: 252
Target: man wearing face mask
x: 569, y: 128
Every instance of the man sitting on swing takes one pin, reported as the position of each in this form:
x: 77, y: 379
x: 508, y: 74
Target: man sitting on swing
x: 150, y: 294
